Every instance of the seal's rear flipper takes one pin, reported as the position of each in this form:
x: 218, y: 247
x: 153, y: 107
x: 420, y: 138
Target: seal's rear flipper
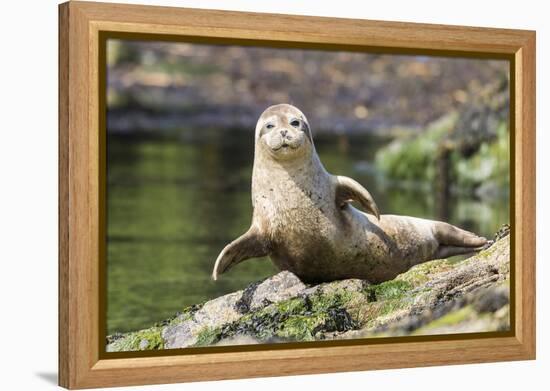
x: 455, y: 241
x: 348, y: 190
x: 249, y: 245
x: 449, y: 251
x: 449, y: 235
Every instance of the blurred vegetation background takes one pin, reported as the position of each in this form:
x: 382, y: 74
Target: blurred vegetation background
x: 428, y: 136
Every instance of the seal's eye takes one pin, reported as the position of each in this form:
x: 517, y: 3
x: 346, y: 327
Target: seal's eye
x: 295, y: 123
x: 270, y: 126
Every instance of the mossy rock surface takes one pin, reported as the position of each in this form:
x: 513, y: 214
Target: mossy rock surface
x: 436, y: 297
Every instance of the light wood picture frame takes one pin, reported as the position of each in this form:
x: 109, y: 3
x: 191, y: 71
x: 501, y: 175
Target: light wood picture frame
x: 82, y: 28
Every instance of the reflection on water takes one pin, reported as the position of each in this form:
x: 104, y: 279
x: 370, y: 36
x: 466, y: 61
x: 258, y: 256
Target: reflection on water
x: 173, y: 204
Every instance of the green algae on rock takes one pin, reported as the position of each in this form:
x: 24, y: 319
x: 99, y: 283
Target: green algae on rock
x: 437, y: 297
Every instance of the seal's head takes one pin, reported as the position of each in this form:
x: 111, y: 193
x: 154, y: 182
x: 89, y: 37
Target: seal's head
x: 283, y: 131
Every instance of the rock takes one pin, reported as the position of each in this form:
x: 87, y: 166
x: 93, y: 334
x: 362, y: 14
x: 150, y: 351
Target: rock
x: 328, y: 288
x: 143, y: 344
x: 186, y: 331
x: 280, y: 287
x: 239, y: 340
x: 437, y: 297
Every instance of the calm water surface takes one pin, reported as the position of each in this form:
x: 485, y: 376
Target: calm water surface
x: 174, y: 203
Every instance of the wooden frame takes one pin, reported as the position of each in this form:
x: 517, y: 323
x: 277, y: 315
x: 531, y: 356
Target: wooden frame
x: 80, y: 24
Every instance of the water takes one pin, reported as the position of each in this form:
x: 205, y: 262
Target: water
x: 174, y: 203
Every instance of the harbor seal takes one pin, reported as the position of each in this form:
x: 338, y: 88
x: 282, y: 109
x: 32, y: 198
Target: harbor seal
x: 304, y: 222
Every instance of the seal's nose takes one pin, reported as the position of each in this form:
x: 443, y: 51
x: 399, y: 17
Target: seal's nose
x: 284, y: 132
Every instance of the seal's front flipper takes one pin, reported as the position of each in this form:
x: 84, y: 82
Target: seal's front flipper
x: 249, y: 245
x: 348, y: 190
